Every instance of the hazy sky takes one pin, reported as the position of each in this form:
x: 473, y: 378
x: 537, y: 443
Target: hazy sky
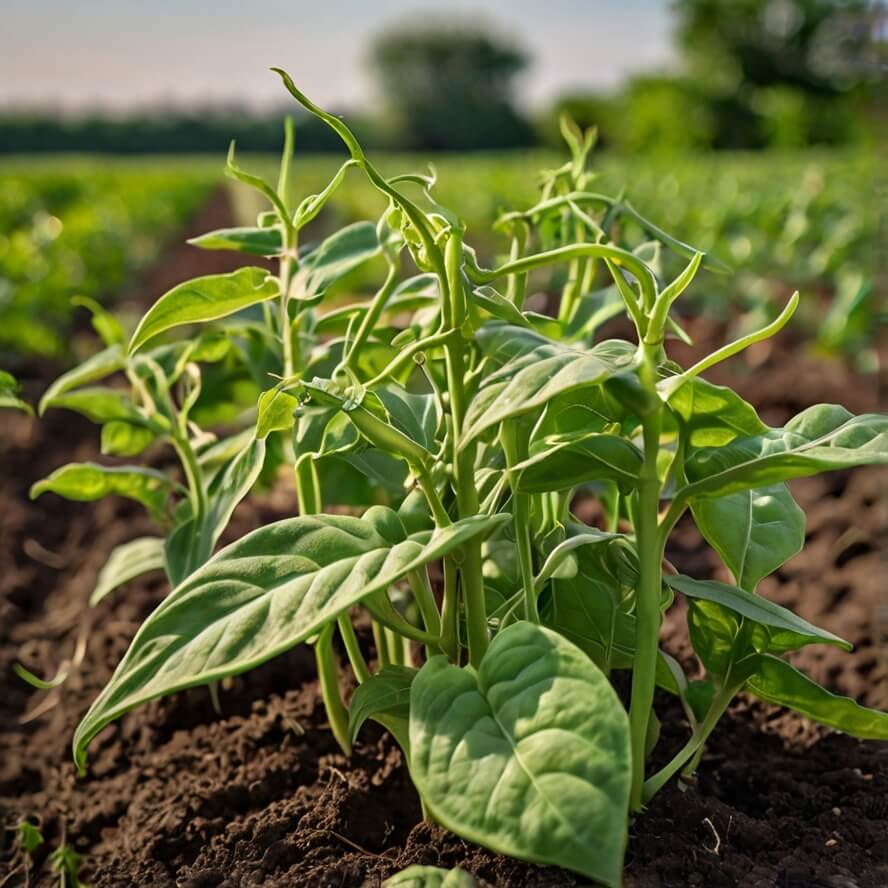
x: 116, y: 53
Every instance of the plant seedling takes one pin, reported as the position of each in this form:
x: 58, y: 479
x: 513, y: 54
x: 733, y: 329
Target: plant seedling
x: 499, y: 618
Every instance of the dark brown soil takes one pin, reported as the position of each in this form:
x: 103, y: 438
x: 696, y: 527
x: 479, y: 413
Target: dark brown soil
x: 178, y: 795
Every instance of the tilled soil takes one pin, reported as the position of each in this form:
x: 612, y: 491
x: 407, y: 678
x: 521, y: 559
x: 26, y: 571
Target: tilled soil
x: 178, y: 795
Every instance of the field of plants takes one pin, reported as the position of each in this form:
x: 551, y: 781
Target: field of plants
x: 512, y: 521
x: 80, y: 229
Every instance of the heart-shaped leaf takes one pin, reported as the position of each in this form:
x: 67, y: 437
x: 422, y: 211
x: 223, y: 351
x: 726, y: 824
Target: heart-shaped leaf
x: 529, y: 756
x: 262, y: 595
x: 754, y: 531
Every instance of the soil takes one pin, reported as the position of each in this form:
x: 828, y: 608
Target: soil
x: 258, y: 794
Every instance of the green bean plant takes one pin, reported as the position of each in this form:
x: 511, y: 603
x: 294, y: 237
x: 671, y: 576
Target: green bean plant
x: 499, y: 618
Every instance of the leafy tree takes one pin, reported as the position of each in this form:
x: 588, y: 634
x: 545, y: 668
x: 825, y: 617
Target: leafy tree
x: 816, y: 46
x: 450, y: 87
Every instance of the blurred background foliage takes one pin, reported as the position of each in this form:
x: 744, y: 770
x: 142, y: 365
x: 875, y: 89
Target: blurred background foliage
x: 761, y: 143
x: 752, y: 74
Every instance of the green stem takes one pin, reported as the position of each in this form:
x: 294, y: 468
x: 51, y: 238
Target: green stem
x: 379, y: 640
x: 193, y: 476
x: 353, y: 649
x: 394, y: 646
x: 695, y: 744
x: 647, y: 607
x: 463, y: 458
x: 576, y: 271
x: 450, y: 612
x: 427, y: 485
x: 515, y: 449
x: 407, y: 354
x: 284, y: 276
x: 328, y: 674
x: 308, y: 486
x: 565, y: 254
x: 373, y: 313
x: 425, y: 600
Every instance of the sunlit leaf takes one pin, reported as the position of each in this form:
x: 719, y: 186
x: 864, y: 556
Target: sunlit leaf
x: 507, y: 756
x: 205, y: 299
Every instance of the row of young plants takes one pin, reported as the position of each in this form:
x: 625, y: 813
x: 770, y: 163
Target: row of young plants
x: 781, y: 220
x: 80, y: 234
x: 499, y: 618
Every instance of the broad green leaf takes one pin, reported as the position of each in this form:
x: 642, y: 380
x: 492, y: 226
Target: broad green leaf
x: 204, y: 299
x: 334, y: 258
x: 384, y: 697
x: 529, y: 756
x: 90, y: 481
x: 586, y: 610
x: 430, y: 877
x: 777, y: 682
x: 120, y: 438
x: 786, y: 631
x: 713, y: 415
x: 754, y: 531
x: 100, y: 365
x: 261, y: 596
x: 535, y: 370
x: 819, y: 439
x: 277, y: 412
x: 126, y: 562
x: 416, y: 415
x: 99, y: 404
x: 191, y: 544
x: 256, y: 241
x: 560, y: 464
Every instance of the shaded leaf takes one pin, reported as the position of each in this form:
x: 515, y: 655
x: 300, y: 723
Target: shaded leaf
x: 786, y: 631
x: 776, y: 681
x: 339, y: 254
x: 430, y: 877
x: 126, y: 562
x: 384, y: 697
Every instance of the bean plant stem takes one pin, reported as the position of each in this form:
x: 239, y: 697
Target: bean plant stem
x: 647, y: 607
x: 328, y: 675
x: 515, y: 450
x: 353, y: 649
x: 695, y: 744
x: 308, y: 488
x: 425, y: 600
x: 463, y: 457
x: 193, y: 476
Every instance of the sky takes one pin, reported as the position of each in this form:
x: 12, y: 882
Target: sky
x: 118, y: 54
